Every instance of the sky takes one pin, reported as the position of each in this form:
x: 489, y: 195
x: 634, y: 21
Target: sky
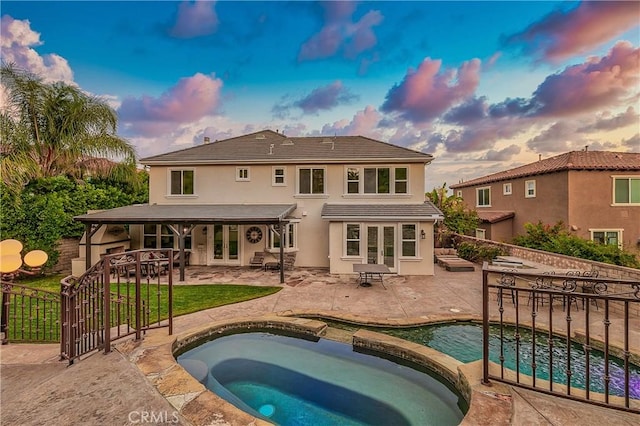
x: 482, y: 86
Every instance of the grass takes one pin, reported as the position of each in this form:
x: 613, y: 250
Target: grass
x: 186, y: 299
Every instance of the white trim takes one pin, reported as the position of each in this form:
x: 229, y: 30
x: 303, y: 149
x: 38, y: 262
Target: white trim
x: 168, y: 193
x: 324, y: 181
x: 478, y: 198
x: 619, y: 231
x: 416, y: 240
x: 273, y: 176
x: 361, y: 181
x: 481, y: 234
x: 613, y: 190
x: 345, y: 254
x: 459, y: 193
x: 526, y: 188
x: 507, y: 188
x: 246, y: 178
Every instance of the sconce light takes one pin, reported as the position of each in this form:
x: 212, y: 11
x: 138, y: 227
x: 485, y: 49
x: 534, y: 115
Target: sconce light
x: 423, y: 235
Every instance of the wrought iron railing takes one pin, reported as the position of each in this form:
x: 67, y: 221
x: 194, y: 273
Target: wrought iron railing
x: 550, y: 329
x: 29, y: 314
x: 122, y: 295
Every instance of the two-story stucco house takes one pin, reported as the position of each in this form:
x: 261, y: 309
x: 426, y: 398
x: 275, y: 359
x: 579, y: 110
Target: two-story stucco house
x: 595, y: 193
x: 334, y: 201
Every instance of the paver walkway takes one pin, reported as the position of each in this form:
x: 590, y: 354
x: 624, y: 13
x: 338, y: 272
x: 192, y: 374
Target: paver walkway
x: 101, y: 389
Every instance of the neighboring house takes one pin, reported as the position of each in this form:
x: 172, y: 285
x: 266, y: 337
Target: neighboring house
x: 595, y: 193
x: 334, y: 201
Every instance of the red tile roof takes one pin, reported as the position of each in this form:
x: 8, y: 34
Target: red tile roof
x: 495, y: 216
x: 574, y: 160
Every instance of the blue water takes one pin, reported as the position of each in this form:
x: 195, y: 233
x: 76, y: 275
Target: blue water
x: 464, y: 343
x: 299, y: 382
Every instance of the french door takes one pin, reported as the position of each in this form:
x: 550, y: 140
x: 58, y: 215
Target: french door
x: 224, y: 244
x: 381, y: 245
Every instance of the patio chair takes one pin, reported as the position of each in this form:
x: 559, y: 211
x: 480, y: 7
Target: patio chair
x: 257, y: 260
x: 176, y: 258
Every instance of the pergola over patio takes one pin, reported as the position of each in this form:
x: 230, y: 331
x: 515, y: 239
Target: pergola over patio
x: 181, y: 219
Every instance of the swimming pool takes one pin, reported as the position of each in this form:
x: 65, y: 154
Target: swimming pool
x: 463, y: 341
x: 293, y: 381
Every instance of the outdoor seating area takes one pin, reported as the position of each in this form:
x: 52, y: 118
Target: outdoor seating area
x: 450, y: 260
x: 271, y: 261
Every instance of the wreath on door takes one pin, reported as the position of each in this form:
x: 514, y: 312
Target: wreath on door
x: 254, y: 235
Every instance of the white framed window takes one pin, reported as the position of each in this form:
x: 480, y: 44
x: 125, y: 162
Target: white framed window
x: 311, y: 180
x: 610, y: 237
x: 481, y: 234
x: 483, y: 197
x: 242, y: 174
x: 181, y: 182
x: 459, y: 193
x: 279, y: 176
x: 409, y: 239
x: 353, y: 180
x: 626, y: 190
x: 352, y: 239
x: 507, y: 188
x: 377, y: 180
x: 289, y: 234
x: 160, y: 236
x: 529, y: 189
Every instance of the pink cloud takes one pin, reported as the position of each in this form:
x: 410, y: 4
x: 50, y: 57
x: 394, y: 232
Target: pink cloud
x: 561, y: 35
x: 339, y: 33
x: 364, y: 123
x: 189, y: 100
x: 597, y: 83
x: 195, y: 19
x: 427, y: 92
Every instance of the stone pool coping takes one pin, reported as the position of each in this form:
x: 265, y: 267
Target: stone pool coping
x: 155, y: 356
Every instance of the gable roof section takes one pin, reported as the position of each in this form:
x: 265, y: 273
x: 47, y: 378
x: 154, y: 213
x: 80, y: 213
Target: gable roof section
x: 495, y: 216
x: 340, y: 212
x: 268, y: 147
x: 574, y: 160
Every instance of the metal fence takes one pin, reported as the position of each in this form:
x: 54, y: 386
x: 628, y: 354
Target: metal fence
x: 122, y: 295
x: 558, y: 333
x: 29, y: 314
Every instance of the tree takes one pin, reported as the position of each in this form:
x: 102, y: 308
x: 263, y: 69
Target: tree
x: 457, y: 218
x: 53, y: 129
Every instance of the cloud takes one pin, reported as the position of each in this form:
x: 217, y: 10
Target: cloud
x: 195, y: 19
x: 340, y: 34
x: 322, y: 98
x: 597, y: 83
x: 607, y: 122
x: 484, y: 134
x: 505, y: 154
x: 469, y: 112
x: 17, y: 42
x: 189, y: 100
x: 364, y: 122
x: 559, y: 137
x: 633, y: 143
x: 427, y: 92
x: 563, y: 34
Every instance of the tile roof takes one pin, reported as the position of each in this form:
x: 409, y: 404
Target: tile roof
x: 268, y: 146
x: 424, y: 211
x: 495, y: 216
x: 191, y: 213
x: 574, y: 160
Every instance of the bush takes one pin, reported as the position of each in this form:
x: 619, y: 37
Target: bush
x: 479, y: 252
x: 557, y: 239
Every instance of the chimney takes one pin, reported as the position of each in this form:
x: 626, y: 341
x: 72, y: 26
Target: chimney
x: 207, y: 139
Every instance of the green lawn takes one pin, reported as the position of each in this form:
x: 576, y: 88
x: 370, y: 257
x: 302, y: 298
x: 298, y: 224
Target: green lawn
x: 186, y: 299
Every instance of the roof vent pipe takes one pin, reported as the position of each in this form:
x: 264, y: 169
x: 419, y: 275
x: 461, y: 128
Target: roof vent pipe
x: 207, y: 139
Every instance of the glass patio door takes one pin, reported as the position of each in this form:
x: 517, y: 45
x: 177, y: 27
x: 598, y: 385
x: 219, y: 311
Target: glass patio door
x: 225, y: 244
x: 381, y: 247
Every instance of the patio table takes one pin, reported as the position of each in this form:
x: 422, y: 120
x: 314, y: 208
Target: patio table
x: 367, y: 272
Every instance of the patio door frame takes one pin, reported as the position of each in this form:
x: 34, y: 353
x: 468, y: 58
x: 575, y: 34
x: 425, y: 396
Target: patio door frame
x: 227, y: 252
x: 385, y: 245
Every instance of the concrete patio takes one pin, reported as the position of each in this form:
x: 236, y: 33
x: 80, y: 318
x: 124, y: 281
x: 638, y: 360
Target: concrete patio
x: 110, y: 389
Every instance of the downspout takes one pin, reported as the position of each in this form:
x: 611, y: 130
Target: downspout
x: 281, y: 252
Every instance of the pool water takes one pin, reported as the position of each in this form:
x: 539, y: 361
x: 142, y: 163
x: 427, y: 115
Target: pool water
x: 464, y: 342
x: 291, y: 381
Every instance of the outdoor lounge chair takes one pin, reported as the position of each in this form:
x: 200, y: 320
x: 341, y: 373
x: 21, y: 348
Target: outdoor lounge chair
x: 257, y: 260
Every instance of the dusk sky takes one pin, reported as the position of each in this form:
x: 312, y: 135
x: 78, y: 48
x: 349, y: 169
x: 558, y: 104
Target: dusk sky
x: 482, y: 86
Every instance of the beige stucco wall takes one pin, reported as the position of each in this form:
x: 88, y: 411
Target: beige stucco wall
x: 218, y: 185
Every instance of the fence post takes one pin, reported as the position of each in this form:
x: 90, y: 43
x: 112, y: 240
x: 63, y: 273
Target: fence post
x: 4, y: 316
x: 485, y: 324
x: 106, y: 285
x: 138, y: 295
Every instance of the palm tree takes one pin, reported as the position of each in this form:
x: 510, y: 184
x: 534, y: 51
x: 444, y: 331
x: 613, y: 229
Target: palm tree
x: 51, y: 129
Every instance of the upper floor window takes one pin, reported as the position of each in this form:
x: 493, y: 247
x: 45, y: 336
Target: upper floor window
x: 242, y: 174
x: 506, y: 188
x: 377, y: 180
x: 483, y: 197
x: 529, y: 188
x: 611, y: 237
x: 459, y: 193
x: 279, y: 176
x: 353, y: 239
x: 182, y: 182
x: 409, y: 236
x: 626, y: 190
x: 311, y: 181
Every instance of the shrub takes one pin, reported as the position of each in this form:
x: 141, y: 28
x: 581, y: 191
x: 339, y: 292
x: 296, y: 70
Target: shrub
x: 479, y: 252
